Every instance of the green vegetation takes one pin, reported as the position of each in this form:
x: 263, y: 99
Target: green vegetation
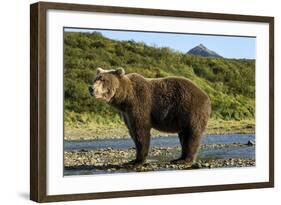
x: 230, y: 83
x: 92, y: 130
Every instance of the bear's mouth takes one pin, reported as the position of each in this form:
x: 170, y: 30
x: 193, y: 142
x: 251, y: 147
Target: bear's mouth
x: 101, y: 96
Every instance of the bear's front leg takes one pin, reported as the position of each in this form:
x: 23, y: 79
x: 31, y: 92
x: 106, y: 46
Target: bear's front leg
x: 140, y: 133
x: 141, y: 139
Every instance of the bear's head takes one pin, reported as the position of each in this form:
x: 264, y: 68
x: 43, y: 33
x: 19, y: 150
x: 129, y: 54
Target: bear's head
x: 106, y: 83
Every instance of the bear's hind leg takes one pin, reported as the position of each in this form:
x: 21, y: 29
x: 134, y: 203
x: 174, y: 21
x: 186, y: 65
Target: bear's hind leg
x: 190, y: 144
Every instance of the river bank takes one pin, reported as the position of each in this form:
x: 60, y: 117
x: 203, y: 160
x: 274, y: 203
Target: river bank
x: 94, y: 131
x: 109, y: 160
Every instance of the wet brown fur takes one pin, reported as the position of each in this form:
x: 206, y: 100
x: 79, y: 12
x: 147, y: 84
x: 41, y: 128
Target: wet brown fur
x: 171, y: 104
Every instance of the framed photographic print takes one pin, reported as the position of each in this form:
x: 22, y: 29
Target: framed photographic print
x: 135, y: 102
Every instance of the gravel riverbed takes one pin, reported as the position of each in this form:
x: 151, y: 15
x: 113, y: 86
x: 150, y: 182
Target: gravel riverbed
x: 108, y: 160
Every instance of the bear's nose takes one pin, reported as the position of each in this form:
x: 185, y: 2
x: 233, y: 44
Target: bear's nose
x: 91, y: 90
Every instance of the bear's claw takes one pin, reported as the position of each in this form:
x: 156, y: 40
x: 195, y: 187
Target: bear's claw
x: 133, y: 163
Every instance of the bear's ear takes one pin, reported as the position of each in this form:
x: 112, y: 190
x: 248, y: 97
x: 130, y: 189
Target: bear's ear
x: 119, y: 71
x: 99, y: 70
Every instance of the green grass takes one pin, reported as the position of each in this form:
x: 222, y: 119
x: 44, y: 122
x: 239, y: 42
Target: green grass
x: 231, y: 126
x: 90, y: 130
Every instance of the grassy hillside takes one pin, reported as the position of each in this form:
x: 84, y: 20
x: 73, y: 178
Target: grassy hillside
x: 230, y: 83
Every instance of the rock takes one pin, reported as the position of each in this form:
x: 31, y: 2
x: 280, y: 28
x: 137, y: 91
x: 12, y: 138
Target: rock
x: 250, y: 126
x: 98, y: 153
x: 132, y: 148
x: 250, y: 143
x: 173, y: 166
x: 239, y: 162
x: 196, y: 165
x: 108, y: 149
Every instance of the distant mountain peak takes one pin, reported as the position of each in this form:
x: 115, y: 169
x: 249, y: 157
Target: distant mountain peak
x: 203, y: 51
x: 201, y: 45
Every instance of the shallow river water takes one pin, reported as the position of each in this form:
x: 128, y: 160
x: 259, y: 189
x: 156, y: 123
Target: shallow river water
x: 171, y: 141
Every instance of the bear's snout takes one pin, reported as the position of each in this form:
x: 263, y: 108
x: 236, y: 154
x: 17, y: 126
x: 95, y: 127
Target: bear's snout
x: 91, y: 90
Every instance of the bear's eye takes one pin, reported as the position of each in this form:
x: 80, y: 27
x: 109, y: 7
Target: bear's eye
x: 100, y: 79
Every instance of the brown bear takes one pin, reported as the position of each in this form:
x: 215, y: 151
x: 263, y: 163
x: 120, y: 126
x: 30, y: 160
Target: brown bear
x: 171, y: 104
